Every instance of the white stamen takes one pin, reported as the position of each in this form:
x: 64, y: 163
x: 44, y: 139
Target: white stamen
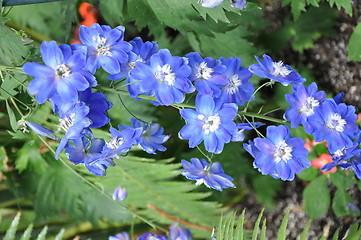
x: 115, y: 143
x: 102, y: 48
x: 279, y: 69
x: 203, y: 71
x: 66, y: 123
x: 62, y: 70
x: 233, y: 85
x: 165, y: 74
x: 210, y: 124
x: 336, y: 122
x: 283, y: 152
x: 308, y: 106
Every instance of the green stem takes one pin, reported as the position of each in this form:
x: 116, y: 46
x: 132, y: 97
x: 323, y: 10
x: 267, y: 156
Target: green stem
x: 260, y: 116
x: 34, y: 35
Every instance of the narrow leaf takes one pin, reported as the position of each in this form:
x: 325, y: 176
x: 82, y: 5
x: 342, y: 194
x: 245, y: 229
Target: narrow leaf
x: 239, y: 229
x: 282, y: 230
x: 305, y: 230
x: 12, y: 118
x: 10, y: 233
x: 263, y: 230
x: 27, y: 234
x: 256, y: 226
x: 59, y: 236
x: 43, y: 233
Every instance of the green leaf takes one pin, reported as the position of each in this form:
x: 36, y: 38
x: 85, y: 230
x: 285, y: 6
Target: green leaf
x: 10, y: 233
x: 59, y: 236
x: 317, y: 197
x: 239, y: 229
x: 354, y: 46
x: 308, y: 174
x: 281, y: 235
x: 305, y: 230
x: 263, y: 230
x: 27, y: 234
x: 3, y: 159
x: 340, y: 203
x: 256, y: 226
x: 112, y: 11
x: 12, y: 48
x: 341, y: 180
x: 346, y: 4
x: 42, y: 234
x: 266, y: 189
x: 29, y: 156
x: 13, y: 122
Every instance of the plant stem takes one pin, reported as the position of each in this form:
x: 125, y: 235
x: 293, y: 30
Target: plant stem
x: 260, y: 116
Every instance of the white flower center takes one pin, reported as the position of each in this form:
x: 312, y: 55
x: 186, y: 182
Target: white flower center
x: 203, y: 71
x: 115, y: 143
x: 234, y: 83
x: 279, y: 69
x: 210, y: 124
x: 165, y: 74
x: 103, y: 48
x: 336, y: 122
x: 62, y: 70
x: 138, y: 59
x: 307, y: 107
x: 66, y: 122
x: 339, y: 153
x: 283, y: 152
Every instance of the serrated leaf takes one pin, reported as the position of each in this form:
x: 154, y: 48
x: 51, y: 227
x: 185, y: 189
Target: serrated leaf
x: 29, y: 156
x: 346, y: 4
x: 354, y: 46
x: 10, y: 233
x: 317, y: 197
x: 12, y: 48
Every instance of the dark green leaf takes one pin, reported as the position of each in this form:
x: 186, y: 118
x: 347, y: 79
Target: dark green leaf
x: 354, y: 46
x: 340, y: 203
x: 341, y: 180
x: 317, y: 197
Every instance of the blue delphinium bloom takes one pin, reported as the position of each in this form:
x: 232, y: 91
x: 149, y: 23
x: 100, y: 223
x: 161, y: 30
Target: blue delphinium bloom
x: 151, y: 236
x: 73, y: 120
x: 43, y: 131
x: 210, y: 122
x: 240, y: 4
x: 119, y: 194
x: 334, y: 123
x: 210, y: 3
x: 239, y: 136
x: 207, y: 74
x: 62, y: 73
x: 165, y: 77
x: 98, y: 105
x: 88, y: 151
x: 177, y: 232
x: 278, y: 155
x: 152, y: 136
x: 238, y: 89
x: 106, y: 47
x: 276, y: 71
x: 122, y: 141
x: 120, y: 236
x: 303, y: 101
x: 212, y: 175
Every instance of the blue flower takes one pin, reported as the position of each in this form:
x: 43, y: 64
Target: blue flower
x: 207, y: 74
x: 238, y: 89
x: 210, y: 3
x: 165, y: 77
x: 334, y: 123
x: 73, y: 120
x: 240, y: 4
x: 276, y: 71
x: 122, y: 141
x: 88, y: 151
x: 303, y: 102
x: 62, y: 74
x: 179, y: 233
x: 120, y: 236
x: 210, y: 122
x: 43, y: 131
x: 152, y: 136
x: 278, y: 155
x: 151, y: 236
x: 98, y: 105
x: 106, y: 47
x: 119, y: 194
x: 211, y: 174
x: 239, y: 136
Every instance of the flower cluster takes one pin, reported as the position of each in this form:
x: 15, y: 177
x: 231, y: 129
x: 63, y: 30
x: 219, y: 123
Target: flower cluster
x: 240, y: 4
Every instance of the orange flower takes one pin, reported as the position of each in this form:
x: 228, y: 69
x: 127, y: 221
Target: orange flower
x: 321, y: 161
x: 309, y: 144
